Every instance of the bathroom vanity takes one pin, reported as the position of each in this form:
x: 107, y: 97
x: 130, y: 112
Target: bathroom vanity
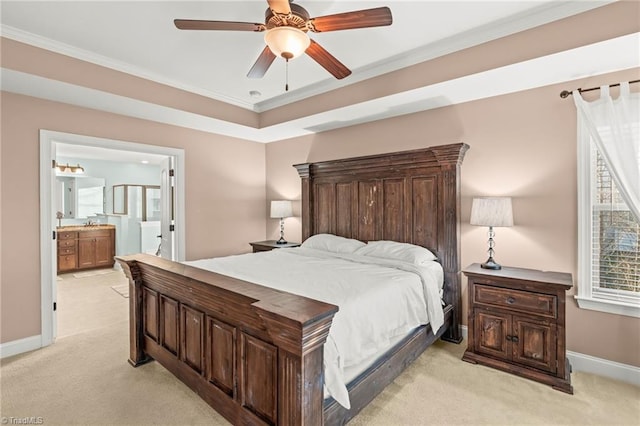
x: 85, y: 247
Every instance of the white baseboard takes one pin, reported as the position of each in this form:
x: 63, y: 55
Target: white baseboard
x: 591, y: 364
x: 16, y: 347
x: 579, y: 362
x: 604, y: 367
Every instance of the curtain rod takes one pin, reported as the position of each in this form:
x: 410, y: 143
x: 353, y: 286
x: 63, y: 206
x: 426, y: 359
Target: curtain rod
x: 566, y: 93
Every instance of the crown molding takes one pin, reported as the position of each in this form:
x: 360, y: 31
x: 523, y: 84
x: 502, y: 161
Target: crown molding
x: 586, y: 61
x: 104, y: 61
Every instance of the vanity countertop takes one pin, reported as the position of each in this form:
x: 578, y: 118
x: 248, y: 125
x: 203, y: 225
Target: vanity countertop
x: 84, y: 227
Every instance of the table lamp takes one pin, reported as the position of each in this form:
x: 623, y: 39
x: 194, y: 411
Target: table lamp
x: 491, y: 212
x: 281, y: 209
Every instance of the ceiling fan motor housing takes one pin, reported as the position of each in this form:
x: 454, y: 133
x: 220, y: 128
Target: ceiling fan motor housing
x: 297, y: 18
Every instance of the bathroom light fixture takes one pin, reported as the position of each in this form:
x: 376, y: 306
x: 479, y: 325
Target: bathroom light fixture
x: 66, y: 168
x: 281, y: 209
x: 491, y: 211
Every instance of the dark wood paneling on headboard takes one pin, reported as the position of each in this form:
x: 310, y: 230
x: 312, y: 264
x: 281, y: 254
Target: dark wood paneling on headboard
x: 409, y: 196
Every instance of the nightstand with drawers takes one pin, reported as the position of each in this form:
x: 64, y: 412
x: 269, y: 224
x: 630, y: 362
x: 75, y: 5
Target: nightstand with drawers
x: 516, y: 323
x: 270, y: 245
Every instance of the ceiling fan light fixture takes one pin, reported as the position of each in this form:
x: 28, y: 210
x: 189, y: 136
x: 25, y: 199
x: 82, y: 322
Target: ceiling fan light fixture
x: 287, y: 42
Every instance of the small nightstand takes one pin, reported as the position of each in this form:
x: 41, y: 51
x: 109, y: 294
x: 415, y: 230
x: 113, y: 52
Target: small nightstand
x: 270, y: 245
x: 516, y: 323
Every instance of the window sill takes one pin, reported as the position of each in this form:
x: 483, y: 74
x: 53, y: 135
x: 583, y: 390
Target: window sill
x: 608, y: 306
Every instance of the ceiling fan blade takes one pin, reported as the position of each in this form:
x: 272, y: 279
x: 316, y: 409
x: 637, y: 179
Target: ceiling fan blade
x: 196, y: 24
x: 280, y: 6
x: 366, y: 18
x: 327, y: 60
x: 263, y: 63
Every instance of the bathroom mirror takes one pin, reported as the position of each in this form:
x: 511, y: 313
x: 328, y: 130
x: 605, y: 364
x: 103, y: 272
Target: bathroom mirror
x: 80, y: 197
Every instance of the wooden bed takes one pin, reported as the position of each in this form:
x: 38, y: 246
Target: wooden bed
x: 255, y: 354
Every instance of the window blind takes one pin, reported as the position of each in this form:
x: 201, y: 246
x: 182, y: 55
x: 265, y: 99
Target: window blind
x: 615, y: 241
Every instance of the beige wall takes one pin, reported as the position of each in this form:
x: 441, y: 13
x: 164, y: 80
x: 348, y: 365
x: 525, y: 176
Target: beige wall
x: 523, y: 145
x: 225, y: 196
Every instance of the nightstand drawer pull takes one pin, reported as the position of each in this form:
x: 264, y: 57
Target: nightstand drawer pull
x: 511, y: 300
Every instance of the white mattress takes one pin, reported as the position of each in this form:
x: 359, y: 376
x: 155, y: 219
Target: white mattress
x: 379, y: 300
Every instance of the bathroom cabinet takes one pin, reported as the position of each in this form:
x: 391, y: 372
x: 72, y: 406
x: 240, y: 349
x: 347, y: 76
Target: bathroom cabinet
x: 96, y: 248
x: 67, y: 251
x: 85, y: 247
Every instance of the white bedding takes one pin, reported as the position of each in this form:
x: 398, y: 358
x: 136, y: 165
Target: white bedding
x: 379, y: 300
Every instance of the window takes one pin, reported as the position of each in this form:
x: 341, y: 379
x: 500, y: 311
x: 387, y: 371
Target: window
x: 608, y: 236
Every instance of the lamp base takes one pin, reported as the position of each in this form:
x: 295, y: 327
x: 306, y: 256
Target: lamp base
x: 490, y: 264
x: 281, y: 240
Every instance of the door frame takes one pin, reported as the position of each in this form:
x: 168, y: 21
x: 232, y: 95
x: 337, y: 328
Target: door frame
x: 48, y: 272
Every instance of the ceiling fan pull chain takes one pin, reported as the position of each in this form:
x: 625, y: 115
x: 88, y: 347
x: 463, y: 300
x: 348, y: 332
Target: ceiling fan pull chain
x: 286, y: 71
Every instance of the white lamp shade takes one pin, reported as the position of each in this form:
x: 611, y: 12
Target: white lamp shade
x: 288, y: 42
x: 492, y: 211
x: 281, y: 209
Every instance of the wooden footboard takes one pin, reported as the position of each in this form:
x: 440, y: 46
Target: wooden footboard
x: 253, y: 353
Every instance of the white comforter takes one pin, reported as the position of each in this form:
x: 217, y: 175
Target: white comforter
x: 378, y: 299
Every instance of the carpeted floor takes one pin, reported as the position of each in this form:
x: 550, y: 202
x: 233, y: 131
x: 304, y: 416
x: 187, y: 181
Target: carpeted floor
x: 86, y: 301
x: 84, y: 379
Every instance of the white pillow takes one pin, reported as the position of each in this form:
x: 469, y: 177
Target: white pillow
x: 332, y: 243
x: 398, y: 251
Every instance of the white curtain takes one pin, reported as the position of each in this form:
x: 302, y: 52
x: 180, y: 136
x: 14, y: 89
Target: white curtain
x: 614, y: 125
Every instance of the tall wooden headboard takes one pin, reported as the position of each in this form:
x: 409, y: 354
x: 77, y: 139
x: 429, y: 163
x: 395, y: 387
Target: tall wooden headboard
x: 410, y: 196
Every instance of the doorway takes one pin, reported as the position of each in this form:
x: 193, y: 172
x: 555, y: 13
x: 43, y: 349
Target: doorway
x: 49, y: 142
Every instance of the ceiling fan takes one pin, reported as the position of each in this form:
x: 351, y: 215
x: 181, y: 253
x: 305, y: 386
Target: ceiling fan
x: 286, y: 26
